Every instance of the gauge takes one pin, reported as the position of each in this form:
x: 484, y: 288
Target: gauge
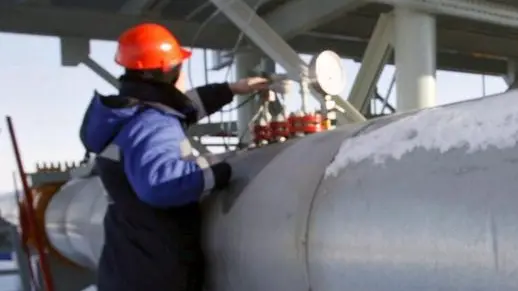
x: 327, y: 73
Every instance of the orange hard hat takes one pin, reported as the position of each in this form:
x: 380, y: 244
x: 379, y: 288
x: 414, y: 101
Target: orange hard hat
x: 149, y: 46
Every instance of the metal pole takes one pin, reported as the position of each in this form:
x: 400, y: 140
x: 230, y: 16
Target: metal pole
x: 415, y: 51
x: 206, y: 71
x: 245, y: 62
x: 44, y: 264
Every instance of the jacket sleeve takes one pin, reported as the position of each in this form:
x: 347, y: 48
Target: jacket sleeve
x: 156, y: 167
x: 210, y: 98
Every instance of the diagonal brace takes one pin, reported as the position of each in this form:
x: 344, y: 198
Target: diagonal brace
x: 374, y: 60
x: 257, y: 30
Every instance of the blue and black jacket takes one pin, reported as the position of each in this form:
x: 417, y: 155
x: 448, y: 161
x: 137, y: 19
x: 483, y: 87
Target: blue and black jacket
x: 154, y: 183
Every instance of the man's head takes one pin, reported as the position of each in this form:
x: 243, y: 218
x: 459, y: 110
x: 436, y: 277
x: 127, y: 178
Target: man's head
x: 151, y: 52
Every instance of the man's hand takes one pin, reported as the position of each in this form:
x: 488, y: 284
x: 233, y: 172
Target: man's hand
x: 249, y: 85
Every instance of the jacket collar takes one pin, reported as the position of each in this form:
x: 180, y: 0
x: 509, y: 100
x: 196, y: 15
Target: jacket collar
x: 166, y: 99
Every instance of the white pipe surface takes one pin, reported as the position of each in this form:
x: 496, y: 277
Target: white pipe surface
x: 421, y: 201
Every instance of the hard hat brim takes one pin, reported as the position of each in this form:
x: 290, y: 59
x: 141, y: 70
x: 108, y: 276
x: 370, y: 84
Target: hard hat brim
x: 185, y: 54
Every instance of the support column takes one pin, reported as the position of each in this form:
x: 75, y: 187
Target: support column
x: 268, y: 66
x: 512, y: 74
x: 415, y: 52
x: 245, y: 62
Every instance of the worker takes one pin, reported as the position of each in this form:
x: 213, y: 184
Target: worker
x: 154, y: 183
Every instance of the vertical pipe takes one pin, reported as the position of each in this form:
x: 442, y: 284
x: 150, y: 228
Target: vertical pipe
x: 244, y: 62
x: 206, y: 71
x: 415, y: 52
x: 275, y: 108
x: 512, y: 73
x: 305, y: 95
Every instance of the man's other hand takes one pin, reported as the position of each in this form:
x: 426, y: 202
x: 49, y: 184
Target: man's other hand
x: 249, y: 85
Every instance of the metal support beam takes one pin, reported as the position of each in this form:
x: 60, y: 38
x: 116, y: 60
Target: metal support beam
x: 305, y: 15
x: 134, y: 7
x: 220, y: 19
x: 66, y: 22
x: 415, y: 50
x: 143, y: 7
x: 157, y: 7
x: 101, y: 72
x: 450, y: 38
x: 347, y: 48
x: 75, y: 51
x: 376, y: 56
x: 483, y: 11
x: 511, y: 79
x: 33, y: 2
x: 348, y: 38
x: 197, y: 145
x: 221, y: 59
x: 277, y: 49
x: 8, y: 272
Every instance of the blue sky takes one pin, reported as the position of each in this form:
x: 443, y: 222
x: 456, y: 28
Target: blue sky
x: 47, y: 101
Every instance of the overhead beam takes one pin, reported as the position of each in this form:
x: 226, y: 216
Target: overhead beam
x: 447, y: 38
x: 347, y: 37
x: 483, y: 11
x: 134, y: 7
x: 305, y: 15
x: 75, y: 51
x: 147, y: 7
x: 56, y: 21
x: 445, y: 60
x: 220, y: 19
x: 257, y: 30
x: 33, y: 2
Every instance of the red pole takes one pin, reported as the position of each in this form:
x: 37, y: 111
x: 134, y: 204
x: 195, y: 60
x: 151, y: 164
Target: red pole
x: 44, y: 264
x: 23, y: 226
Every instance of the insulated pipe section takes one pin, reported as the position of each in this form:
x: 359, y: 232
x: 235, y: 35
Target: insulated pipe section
x: 74, y: 216
x: 74, y: 221
x: 421, y: 201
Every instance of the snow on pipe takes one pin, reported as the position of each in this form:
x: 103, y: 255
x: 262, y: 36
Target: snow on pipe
x: 425, y: 200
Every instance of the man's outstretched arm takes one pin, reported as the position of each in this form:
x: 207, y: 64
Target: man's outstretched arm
x: 212, y: 97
